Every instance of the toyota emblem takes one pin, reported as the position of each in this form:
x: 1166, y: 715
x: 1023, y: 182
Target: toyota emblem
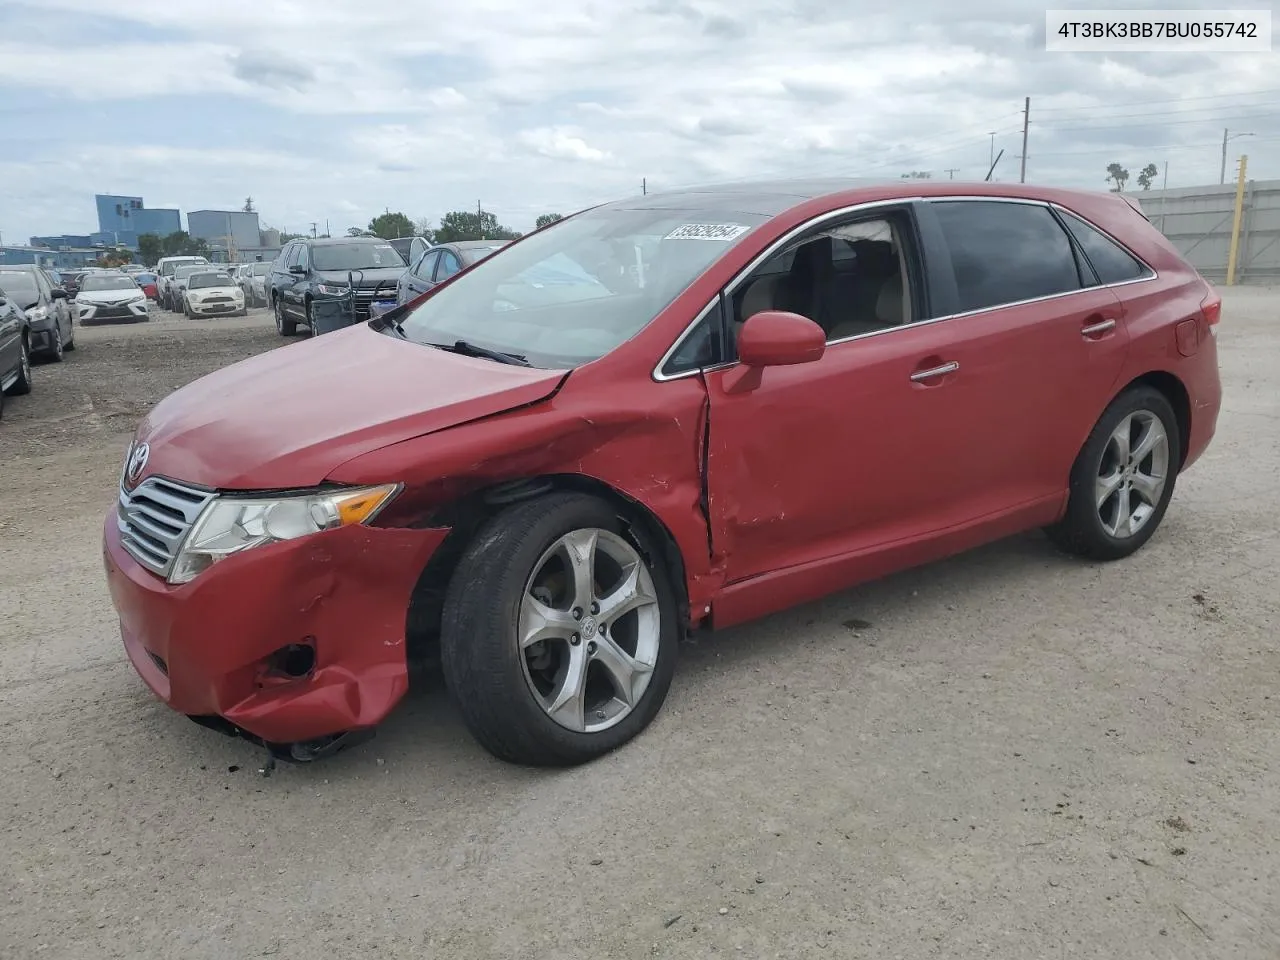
x: 137, y: 462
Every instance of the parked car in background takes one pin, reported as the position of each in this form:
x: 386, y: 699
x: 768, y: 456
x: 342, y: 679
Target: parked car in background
x: 46, y: 306
x: 147, y: 282
x: 69, y: 280
x: 132, y: 268
x: 441, y: 262
x: 799, y: 387
x: 310, y: 269
x: 15, y: 355
x: 252, y: 280
x: 165, y: 268
x: 111, y: 299
x: 209, y: 292
x: 178, y: 283
x: 409, y: 248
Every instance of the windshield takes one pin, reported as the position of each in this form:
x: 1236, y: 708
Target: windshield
x: 188, y: 269
x: 107, y: 283
x: 261, y: 269
x: 145, y: 277
x: 20, y: 287
x: 354, y: 256
x: 199, y: 280
x: 569, y: 294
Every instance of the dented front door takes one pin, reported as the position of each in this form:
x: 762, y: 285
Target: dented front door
x: 840, y: 455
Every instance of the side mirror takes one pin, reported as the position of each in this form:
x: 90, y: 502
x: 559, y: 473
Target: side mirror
x: 298, y: 269
x: 774, y: 338
x: 59, y: 293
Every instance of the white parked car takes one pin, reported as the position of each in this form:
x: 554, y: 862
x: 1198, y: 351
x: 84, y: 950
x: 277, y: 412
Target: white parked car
x: 114, y: 297
x: 210, y: 292
x: 253, y: 281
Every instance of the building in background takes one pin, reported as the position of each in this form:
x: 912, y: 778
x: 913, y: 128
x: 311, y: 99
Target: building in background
x: 122, y: 219
x: 58, y: 259
x: 233, y: 235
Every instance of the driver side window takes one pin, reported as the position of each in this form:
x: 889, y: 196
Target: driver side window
x: 850, y: 279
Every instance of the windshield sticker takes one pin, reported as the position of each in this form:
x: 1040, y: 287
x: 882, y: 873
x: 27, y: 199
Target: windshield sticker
x: 707, y: 231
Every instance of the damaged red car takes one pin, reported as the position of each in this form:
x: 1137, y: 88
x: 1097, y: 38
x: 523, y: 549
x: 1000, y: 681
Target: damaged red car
x: 671, y: 412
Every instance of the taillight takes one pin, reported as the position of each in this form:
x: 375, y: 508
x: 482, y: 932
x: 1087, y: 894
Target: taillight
x: 1211, y: 307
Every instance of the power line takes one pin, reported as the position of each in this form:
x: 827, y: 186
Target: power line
x: 1143, y: 103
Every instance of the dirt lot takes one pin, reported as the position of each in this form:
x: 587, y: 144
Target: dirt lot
x: 1006, y: 755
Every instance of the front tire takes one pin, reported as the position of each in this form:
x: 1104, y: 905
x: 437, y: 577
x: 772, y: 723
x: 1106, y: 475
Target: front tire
x: 22, y: 386
x: 1123, y: 478
x: 284, y: 326
x: 559, y: 632
x: 54, y: 354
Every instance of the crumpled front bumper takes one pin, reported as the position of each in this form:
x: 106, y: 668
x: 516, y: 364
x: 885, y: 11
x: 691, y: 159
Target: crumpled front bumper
x: 210, y: 648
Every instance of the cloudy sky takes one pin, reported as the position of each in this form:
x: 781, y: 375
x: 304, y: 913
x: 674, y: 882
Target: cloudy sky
x: 337, y: 109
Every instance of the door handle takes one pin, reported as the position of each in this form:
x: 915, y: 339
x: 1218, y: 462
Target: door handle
x: 934, y: 372
x: 1094, y: 329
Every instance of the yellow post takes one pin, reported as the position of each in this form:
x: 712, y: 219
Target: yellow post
x: 1235, y: 225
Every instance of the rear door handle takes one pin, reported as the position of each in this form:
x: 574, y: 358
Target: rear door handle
x: 934, y: 372
x: 1096, y: 329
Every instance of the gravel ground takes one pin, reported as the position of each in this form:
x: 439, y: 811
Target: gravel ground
x: 1009, y: 754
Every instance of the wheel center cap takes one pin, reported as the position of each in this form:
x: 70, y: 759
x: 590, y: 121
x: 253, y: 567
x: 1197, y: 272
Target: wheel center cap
x: 589, y: 628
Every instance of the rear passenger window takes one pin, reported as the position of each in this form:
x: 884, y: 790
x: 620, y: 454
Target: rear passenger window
x: 1006, y: 252
x: 1111, y: 262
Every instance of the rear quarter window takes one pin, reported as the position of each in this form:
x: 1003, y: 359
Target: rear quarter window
x: 1111, y: 262
x: 1003, y: 252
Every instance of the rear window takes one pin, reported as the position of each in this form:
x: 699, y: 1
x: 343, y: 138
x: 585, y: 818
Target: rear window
x: 1005, y: 252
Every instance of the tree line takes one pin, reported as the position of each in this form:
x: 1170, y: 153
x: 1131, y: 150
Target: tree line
x: 454, y: 226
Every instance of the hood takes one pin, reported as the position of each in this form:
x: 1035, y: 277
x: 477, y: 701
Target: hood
x: 108, y: 296
x: 224, y: 290
x: 289, y: 417
x: 370, y: 278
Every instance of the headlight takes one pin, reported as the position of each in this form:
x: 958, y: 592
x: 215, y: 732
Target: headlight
x: 38, y: 313
x: 230, y: 525
x: 140, y: 298
x: 329, y: 290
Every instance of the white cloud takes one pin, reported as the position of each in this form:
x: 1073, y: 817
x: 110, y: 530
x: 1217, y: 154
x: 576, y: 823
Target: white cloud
x: 561, y: 144
x: 555, y: 105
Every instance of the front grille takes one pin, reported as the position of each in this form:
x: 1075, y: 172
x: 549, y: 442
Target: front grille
x: 154, y: 520
x: 105, y: 312
x: 216, y: 300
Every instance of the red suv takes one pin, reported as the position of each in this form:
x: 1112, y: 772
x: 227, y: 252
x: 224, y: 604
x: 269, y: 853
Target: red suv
x: 669, y: 412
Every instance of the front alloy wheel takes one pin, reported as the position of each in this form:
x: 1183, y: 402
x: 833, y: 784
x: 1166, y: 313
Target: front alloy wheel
x: 559, y: 632
x: 589, y: 630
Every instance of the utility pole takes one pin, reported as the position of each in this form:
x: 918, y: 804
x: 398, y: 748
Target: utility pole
x: 951, y: 172
x: 644, y: 186
x: 313, y: 229
x: 326, y: 227
x: 1026, y: 122
x: 1164, y: 190
x: 991, y: 160
x: 1237, y: 216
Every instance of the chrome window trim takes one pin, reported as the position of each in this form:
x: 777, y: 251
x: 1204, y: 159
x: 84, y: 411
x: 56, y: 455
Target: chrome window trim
x: 729, y: 288
x: 844, y: 211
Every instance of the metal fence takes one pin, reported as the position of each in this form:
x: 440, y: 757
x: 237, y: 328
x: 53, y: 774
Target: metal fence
x: 1198, y: 221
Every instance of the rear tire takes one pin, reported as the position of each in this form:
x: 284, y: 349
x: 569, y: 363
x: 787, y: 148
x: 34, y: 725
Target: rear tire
x: 1123, y: 478
x: 506, y: 689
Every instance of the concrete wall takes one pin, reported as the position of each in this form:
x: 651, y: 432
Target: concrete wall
x: 1198, y: 221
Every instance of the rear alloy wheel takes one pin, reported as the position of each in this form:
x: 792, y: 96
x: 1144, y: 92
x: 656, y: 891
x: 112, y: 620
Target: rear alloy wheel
x: 559, y: 633
x: 1123, y: 479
